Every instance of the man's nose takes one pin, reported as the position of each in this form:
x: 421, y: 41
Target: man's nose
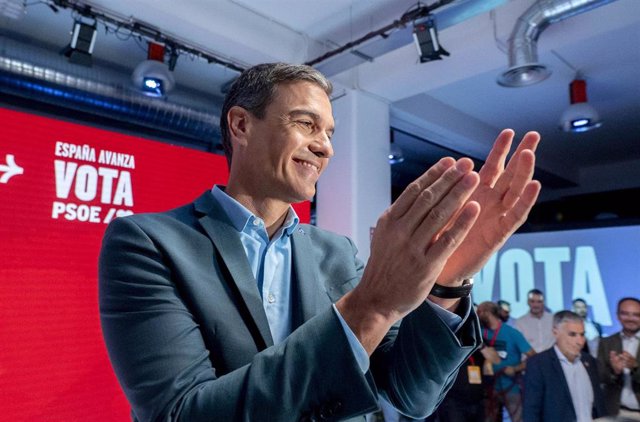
x: 322, y: 147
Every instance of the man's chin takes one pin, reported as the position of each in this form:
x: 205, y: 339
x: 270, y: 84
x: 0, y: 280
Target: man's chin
x: 301, y: 197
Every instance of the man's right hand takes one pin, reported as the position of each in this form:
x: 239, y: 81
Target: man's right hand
x: 411, y: 244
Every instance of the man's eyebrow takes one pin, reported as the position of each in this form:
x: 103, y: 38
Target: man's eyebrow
x: 299, y: 111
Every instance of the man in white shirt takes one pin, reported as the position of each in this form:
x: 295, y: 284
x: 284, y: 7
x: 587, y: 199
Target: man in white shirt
x: 561, y: 383
x: 537, y: 325
x: 619, y: 356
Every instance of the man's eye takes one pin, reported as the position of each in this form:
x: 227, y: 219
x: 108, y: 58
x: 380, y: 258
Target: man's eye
x: 307, y: 126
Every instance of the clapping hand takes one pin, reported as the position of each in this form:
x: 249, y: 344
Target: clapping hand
x: 505, y: 195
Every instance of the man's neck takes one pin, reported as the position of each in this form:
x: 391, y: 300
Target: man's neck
x: 538, y: 316
x: 273, y: 212
x: 569, y: 357
x: 628, y: 333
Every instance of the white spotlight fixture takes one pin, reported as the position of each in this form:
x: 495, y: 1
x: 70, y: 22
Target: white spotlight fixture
x: 153, y: 76
x: 395, y: 154
x: 580, y: 116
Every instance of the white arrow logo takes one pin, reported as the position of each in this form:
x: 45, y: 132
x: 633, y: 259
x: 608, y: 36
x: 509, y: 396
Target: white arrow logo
x: 11, y: 169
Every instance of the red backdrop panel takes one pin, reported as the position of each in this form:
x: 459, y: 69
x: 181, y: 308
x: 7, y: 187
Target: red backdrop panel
x: 60, y: 183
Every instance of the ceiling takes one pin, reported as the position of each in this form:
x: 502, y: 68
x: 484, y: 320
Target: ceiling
x: 449, y: 106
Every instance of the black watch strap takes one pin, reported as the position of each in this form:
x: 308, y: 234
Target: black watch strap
x: 445, y: 292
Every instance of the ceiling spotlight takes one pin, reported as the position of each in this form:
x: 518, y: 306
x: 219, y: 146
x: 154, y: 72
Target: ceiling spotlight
x: 425, y: 35
x: 153, y: 76
x: 580, y: 116
x: 83, y: 39
x: 395, y: 154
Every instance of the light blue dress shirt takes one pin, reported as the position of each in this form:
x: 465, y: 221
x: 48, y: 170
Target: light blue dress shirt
x: 270, y: 261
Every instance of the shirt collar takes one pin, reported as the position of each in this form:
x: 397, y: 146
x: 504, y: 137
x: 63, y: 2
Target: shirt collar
x: 635, y: 336
x: 563, y: 358
x: 242, y: 219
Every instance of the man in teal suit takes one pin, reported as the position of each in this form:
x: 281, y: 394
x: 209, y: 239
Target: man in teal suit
x: 228, y: 309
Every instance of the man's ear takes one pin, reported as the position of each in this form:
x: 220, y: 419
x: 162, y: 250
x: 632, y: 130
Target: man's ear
x: 238, y: 120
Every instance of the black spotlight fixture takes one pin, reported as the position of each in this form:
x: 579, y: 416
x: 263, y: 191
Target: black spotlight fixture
x: 425, y: 35
x: 83, y: 39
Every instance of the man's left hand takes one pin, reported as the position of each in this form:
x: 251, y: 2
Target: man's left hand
x: 506, y: 195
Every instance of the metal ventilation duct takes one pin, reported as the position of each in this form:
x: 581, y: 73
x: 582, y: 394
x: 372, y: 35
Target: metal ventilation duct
x: 41, y: 83
x: 524, y: 68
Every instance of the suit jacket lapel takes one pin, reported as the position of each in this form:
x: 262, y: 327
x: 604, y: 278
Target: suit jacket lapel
x: 557, y: 366
x: 308, y: 296
x: 227, y: 242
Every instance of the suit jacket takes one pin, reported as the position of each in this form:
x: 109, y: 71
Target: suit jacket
x: 546, y: 392
x: 188, y: 337
x: 612, y: 383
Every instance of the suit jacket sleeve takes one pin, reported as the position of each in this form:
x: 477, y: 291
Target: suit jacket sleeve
x: 418, y: 360
x: 607, y: 375
x: 534, y: 387
x: 167, y: 372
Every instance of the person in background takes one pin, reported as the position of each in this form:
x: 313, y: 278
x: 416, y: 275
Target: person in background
x: 562, y: 383
x: 619, y: 356
x: 592, y: 330
x: 465, y: 402
x: 503, y: 352
x: 537, y: 324
x: 504, y: 310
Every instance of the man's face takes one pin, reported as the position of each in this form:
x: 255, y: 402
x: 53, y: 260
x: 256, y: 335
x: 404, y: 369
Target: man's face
x: 288, y: 149
x: 536, y: 304
x: 629, y: 316
x: 504, y: 310
x: 570, y: 338
x: 580, y: 308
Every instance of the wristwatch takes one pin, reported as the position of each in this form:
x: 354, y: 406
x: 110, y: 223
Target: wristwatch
x: 445, y: 292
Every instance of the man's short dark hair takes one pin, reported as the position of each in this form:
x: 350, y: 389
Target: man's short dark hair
x: 490, y: 307
x: 502, y: 302
x: 535, y: 292
x: 624, y: 299
x: 565, y: 316
x: 578, y: 299
x: 255, y: 88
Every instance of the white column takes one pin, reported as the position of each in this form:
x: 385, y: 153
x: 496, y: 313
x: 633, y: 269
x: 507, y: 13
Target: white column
x: 356, y: 187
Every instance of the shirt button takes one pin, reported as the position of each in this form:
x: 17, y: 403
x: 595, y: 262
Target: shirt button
x: 256, y: 222
x: 271, y: 298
